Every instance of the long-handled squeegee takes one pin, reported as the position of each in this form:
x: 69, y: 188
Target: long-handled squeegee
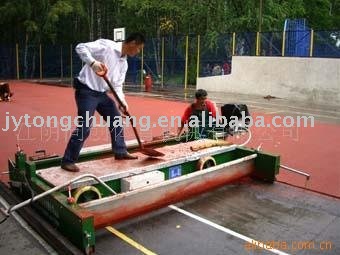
x: 147, y: 151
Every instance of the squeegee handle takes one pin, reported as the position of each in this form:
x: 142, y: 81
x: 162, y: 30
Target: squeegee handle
x: 121, y: 105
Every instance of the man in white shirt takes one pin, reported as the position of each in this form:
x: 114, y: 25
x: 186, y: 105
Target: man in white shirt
x: 90, y: 93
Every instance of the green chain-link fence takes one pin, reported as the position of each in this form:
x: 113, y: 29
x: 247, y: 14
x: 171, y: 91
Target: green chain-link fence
x: 171, y: 61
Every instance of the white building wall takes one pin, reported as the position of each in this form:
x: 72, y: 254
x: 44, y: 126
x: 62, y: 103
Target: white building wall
x: 315, y: 80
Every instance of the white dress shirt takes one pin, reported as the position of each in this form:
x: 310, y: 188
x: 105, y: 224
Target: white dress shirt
x: 109, y: 53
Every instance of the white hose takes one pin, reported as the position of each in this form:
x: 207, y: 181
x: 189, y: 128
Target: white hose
x: 248, y: 140
x: 26, y: 202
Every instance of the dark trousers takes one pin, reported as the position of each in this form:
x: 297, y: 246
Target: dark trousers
x: 90, y: 101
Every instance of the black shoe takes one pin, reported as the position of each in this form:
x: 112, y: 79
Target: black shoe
x: 71, y: 167
x: 125, y: 156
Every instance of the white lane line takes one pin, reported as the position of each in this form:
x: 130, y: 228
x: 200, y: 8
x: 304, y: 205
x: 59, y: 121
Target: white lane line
x: 273, y: 105
x: 296, y: 112
x: 228, y: 231
x: 306, y: 114
x: 318, y: 115
x: 275, y: 112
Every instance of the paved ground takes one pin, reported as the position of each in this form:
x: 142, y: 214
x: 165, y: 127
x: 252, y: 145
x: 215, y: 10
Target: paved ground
x: 15, y: 240
x: 288, y: 219
x: 234, y: 219
x: 279, y: 213
x: 17, y: 237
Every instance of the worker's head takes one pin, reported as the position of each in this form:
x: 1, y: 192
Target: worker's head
x: 133, y: 44
x: 201, y: 95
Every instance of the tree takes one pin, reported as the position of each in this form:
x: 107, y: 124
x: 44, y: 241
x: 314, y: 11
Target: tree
x: 318, y: 14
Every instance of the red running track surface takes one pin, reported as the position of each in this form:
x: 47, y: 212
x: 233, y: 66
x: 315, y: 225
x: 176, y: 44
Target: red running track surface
x: 313, y: 149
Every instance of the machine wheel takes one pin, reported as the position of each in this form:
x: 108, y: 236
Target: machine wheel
x: 86, y: 194
x: 206, y: 162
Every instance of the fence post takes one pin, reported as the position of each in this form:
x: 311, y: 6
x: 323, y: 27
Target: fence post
x: 17, y: 60
x: 61, y: 63
x: 283, y: 43
x: 198, y: 57
x: 233, y: 47
x: 71, y: 65
x: 141, y: 69
x: 40, y: 61
x: 162, y: 67
x: 186, y: 61
x: 257, y: 43
x: 311, y: 46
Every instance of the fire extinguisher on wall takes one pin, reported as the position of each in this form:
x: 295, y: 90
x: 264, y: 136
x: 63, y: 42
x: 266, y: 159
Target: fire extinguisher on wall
x: 148, y: 83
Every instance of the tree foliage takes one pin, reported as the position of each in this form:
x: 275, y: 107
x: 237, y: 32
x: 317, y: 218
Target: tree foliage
x: 68, y: 21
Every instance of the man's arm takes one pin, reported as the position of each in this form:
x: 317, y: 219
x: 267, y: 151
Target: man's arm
x: 180, y: 130
x: 89, y: 51
x: 184, y: 119
x: 211, y: 106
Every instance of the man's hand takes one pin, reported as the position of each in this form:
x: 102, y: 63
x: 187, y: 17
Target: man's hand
x: 99, y: 68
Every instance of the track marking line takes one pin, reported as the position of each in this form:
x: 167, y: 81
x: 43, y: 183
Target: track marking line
x: 226, y: 230
x: 130, y: 241
x: 274, y: 112
x: 322, y: 113
x: 270, y: 111
x: 274, y: 105
x: 319, y: 115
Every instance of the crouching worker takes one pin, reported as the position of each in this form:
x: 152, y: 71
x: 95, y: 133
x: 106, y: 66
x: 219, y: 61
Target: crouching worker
x: 5, y: 92
x: 202, y: 112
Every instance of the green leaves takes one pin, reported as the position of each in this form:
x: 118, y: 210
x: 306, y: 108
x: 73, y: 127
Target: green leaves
x: 68, y: 21
x: 30, y: 26
x: 58, y: 10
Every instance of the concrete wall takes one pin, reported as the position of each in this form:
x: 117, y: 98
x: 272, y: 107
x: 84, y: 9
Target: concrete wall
x: 315, y: 80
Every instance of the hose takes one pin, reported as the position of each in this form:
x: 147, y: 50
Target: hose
x: 11, y: 209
